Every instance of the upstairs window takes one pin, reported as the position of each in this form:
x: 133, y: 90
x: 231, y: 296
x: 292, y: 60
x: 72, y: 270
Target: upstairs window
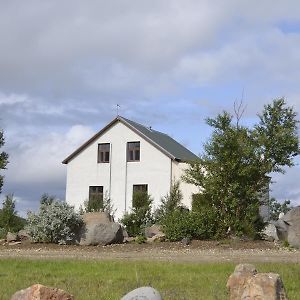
x: 103, y: 153
x: 133, y: 151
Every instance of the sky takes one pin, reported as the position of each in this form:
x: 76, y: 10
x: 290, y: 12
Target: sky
x: 65, y: 65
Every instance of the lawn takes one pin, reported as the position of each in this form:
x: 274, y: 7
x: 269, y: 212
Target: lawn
x: 112, y: 279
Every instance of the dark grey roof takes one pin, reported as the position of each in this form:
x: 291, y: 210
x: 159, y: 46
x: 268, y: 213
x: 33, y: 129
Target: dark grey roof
x: 171, y: 146
x: 160, y: 140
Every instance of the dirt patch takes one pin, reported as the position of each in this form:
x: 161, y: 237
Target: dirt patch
x: 197, y: 251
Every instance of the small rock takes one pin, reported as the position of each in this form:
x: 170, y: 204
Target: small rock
x: 11, y: 237
x: 186, y: 241
x: 14, y: 243
x: 41, y: 292
x: 157, y: 238
x: 143, y: 293
x: 153, y: 230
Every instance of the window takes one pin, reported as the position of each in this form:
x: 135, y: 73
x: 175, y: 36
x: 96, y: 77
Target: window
x: 95, y: 202
x: 103, y: 153
x: 133, y: 151
x: 140, y: 188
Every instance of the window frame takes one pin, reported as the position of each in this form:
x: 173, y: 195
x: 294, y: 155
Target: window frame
x: 134, y: 152
x: 103, y: 152
x: 97, y: 193
x: 139, y: 188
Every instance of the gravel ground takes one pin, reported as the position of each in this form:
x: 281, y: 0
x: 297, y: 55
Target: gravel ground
x: 197, y: 251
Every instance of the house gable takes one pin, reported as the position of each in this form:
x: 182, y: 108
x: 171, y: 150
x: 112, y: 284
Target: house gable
x: 161, y: 141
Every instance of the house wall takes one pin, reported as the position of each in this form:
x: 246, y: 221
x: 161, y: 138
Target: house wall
x: 187, y: 189
x: 119, y: 176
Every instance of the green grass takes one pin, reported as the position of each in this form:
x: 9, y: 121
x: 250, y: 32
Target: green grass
x: 89, y: 280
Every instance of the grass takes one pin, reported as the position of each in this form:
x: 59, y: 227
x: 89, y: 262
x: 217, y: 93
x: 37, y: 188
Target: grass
x: 89, y: 280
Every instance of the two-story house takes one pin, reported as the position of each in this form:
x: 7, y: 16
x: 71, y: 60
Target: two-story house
x: 125, y: 157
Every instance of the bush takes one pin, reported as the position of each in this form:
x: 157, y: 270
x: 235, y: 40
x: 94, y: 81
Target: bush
x: 169, y: 203
x: 140, y: 216
x: 182, y: 223
x: 56, y: 222
x: 9, y: 220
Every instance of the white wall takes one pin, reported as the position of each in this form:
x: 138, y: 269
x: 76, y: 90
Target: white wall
x: 154, y: 169
x: 186, y: 188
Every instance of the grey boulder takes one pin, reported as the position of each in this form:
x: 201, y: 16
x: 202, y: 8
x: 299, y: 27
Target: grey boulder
x: 98, y: 229
x: 11, y: 237
x: 143, y: 293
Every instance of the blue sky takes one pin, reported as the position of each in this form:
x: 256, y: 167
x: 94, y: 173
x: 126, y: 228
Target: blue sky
x: 64, y: 65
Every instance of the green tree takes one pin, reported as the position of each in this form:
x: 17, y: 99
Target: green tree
x: 9, y: 220
x: 3, y: 159
x: 233, y: 171
x: 276, y: 208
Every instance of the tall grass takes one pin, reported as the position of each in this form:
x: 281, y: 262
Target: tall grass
x: 89, y: 280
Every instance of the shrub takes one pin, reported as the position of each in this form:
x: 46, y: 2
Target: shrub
x: 140, y: 216
x: 182, y: 223
x: 56, y: 222
x: 169, y: 202
x: 9, y: 220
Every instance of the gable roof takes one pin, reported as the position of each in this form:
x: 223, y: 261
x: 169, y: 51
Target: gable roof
x: 160, y: 140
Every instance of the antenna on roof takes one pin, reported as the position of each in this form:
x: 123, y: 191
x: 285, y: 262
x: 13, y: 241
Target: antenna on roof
x: 118, y: 106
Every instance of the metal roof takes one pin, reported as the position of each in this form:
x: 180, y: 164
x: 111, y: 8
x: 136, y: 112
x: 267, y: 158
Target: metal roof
x: 160, y: 140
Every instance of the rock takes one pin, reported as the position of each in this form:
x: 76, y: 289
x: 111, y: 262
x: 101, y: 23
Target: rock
x: 152, y: 231
x: 41, y: 292
x: 186, y: 241
x: 246, y: 283
x: 97, y: 218
x: 288, y: 227
x: 157, y: 238
x: 267, y: 286
x: 23, y: 235
x: 101, y: 234
x: 292, y: 218
x: 11, y: 237
x: 99, y: 229
x: 143, y: 293
x: 269, y: 233
x: 14, y: 243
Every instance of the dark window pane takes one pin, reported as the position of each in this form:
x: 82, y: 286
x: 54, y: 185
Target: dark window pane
x: 107, y: 156
x: 137, y: 155
x: 103, y: 152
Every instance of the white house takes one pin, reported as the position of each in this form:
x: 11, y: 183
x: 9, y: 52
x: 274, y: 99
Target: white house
x: 125, y: 157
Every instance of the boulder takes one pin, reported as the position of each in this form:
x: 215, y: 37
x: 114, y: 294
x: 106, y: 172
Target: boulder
x: 11, y: 237
x: 99, y: 229
x: 152, y: 231
x: 288, y: 227
x: 186, y: 241
x: 143, y: 293
x: 23, y: 235
x: 292, y: 218
x: 97, y: 218
x: 246, y: 283
x: 269, y: 233
x: 41, y: 292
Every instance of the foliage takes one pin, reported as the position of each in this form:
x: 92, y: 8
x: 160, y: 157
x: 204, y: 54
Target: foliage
x: 94, y: 205
x: 276, y: 208
x: 169, y: 202
x: 181, y: 223
x: 56, y: 222
x: 47, y: 199
x: 140, y: 239
x: 140, y: 215
x: 3, y: 159
x: 9, y: 220
x: 232, y: 172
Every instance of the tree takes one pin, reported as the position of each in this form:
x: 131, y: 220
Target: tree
x: 276, y: 208
x: 233, y: 171
x: 9, y: 220
x: 3, y: 159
